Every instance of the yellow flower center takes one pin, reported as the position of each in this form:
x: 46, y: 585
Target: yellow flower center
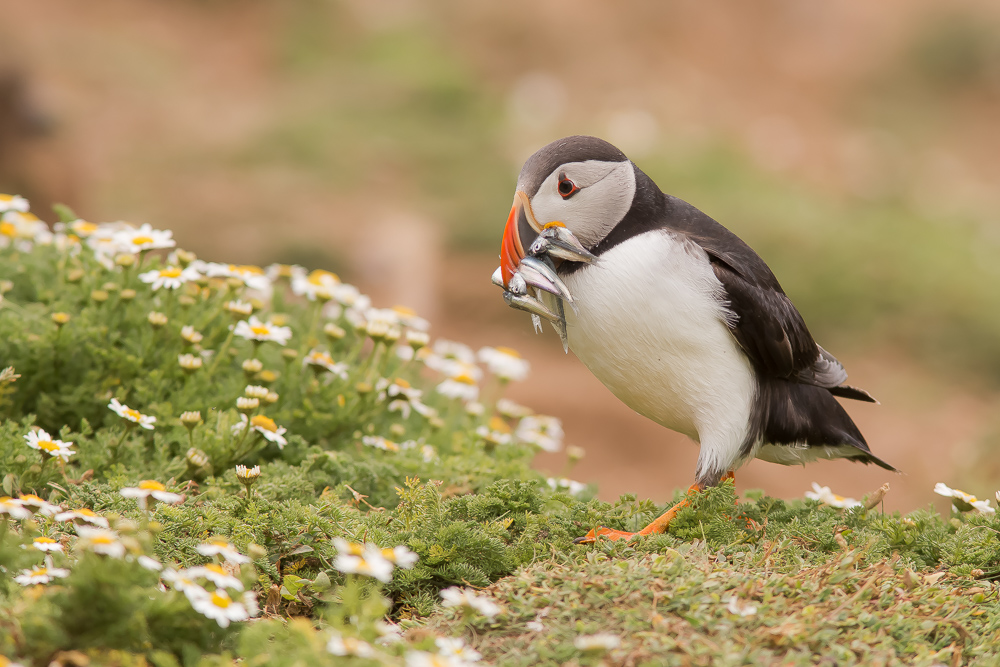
x: 84, y: 228
x: 250, y: 268
x: 319, y: 276
x: 134, y: 415
x: 355, y: 549
x: 140, y: 240
x: 30, y: 497
x: 464, y: 378
x: 7, y: 229
x: 101, y: 539
x: 219, y: 542
x: 509, y: 351
x: 320, y: 358
x: 44, y: 540
x: 260, y: 331
x: 151, y: 485
x: 499, y: 425
x: 221, y: 600
x: 400, y: 382
x: 85, y: 512
x: 39, y: 571
x: 47, y: 445
x: 212, y: 567
x: 266, y: 423
x: 171, y: 272
x: 404, y: 311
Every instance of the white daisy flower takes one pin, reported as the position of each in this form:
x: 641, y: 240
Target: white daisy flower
x: 367, y: 559
x: 170, y: 277
x: 221, y: 608
x: 190, y: 362
x: 463, y: 597
x: 600, y: 642
x: 125, y: 412
x: 255, y: 391
x: 824, y: 495
x: 151, y: 488
x: 13, y: 508
x: 275, y: 272
x: 542, y: 431
x: 238, y: 307
x: 409, y: 318
x: 190, y: 335
x: 48, y: 445
x: 47, y: 544
x: 182, y: 582
x: 741, y: 607
x: 149, y: 563
x: 220, y: 546
x: 350, y: 296
x: 509, y: 408
x: 41, y: 506
x: 13, y: 203
x: 343, y: 646
x: 246, y: 475
x: 318, y: 284
x: 424, y: 659
x: 964, y: 501
x: 319, y: 359
x: 454, y: 647
x: 572, y: 486
x: 82, y: 514
x: 40, y: 574
x: 247, y: 404
x: 265, y: 426
x: 401, y: 556
x: 504, y: 362
x: 462, y: 387
x: 252, y: 276
x: 23, y: 228
x: 254, y: 329
x: 144, y: 238
x: 496, y: 432
x: 451, y: 358
x: 428, y: 452
x: 100, y: 541
x: 216, y: 574
x: 388, y: 633
x: 404, y: 397
x: 378, y: 442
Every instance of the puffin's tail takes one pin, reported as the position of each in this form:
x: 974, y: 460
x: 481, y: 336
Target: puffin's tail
x: 794, y: 414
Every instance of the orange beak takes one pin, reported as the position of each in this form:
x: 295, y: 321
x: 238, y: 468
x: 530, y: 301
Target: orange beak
x: 521, y: 230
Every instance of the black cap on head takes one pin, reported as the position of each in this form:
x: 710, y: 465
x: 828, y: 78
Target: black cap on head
x: 578, y: 148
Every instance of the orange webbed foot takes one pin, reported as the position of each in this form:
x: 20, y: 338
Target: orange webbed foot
x: 658, y: 525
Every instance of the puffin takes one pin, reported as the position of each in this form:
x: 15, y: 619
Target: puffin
x: 675, y: 314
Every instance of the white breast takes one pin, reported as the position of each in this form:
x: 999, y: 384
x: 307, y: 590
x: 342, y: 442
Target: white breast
x: 652, y: 328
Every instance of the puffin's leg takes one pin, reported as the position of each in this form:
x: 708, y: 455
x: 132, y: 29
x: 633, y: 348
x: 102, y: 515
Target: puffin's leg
x: 658, y: 525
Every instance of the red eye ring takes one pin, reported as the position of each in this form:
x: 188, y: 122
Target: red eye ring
x: 566, y: 188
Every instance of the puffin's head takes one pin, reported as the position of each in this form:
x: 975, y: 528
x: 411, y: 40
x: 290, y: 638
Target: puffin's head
x: 582, y: 183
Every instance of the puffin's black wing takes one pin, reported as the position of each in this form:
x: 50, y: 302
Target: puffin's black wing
x: 766, y: 324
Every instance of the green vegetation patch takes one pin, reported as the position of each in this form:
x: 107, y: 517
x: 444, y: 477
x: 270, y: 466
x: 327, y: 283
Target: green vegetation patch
x: 204, y: 463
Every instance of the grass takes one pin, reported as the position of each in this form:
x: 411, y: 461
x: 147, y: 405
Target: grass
x: 450, y: 479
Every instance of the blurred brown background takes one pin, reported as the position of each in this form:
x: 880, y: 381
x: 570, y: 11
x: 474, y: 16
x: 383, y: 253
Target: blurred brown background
x: 855, y: 145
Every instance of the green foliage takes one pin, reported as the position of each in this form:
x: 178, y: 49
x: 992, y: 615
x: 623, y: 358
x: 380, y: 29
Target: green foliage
x: 341, y: 467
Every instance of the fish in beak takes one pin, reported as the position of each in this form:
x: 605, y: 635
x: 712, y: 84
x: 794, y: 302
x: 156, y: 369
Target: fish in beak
x: 545, y: 244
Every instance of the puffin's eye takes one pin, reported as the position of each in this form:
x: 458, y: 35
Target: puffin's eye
x: 567, y: 188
